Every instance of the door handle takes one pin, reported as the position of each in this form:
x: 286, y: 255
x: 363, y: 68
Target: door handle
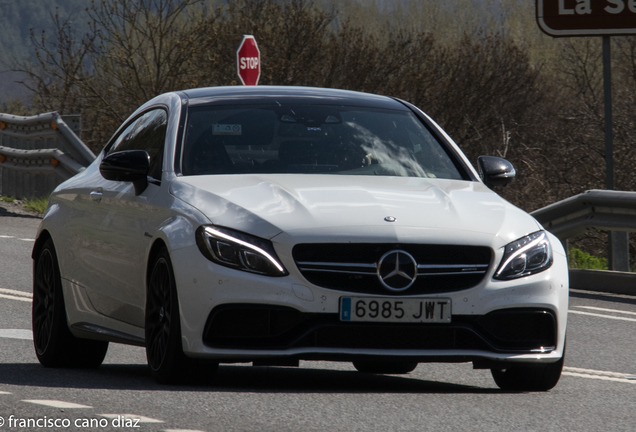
x: 96, y: 195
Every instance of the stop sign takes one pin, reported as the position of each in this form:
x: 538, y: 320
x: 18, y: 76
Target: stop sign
x: 248, y: 61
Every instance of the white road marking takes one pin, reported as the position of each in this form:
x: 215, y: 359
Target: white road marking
x: 600, y: 375
x: 10, y: 297
x: 14, y: 237
x: 593, y: 371
x: 56, y: 403
x: 606, y: 310
x: 15, y: 295
x: 16, y: 292
x: 16, y: 334
x: 3, y: 392
x: 141, y: 419
x: 602, y: 316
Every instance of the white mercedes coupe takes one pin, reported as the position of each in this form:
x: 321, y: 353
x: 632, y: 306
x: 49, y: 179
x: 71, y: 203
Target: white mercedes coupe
x: 277, y: 224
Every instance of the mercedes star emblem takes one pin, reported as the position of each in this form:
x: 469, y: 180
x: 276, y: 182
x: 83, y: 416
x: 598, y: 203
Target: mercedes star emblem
x: 397, y: 270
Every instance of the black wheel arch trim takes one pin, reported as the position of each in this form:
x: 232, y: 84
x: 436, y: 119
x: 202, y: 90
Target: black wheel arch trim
x: 39, y: 242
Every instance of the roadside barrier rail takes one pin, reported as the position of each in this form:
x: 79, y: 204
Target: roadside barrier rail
x: 610, y: 210
x: 601, y: 209
x: 39, y: 152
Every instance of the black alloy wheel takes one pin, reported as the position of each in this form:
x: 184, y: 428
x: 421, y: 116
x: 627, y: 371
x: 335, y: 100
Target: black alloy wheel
x: 164, y: 352
x: 55, y: 345
x: 44, y: 287
x: 158, y: 314
x: 387, y: 367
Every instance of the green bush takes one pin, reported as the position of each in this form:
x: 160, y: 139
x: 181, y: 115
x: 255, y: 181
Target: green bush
x: 578, y: 259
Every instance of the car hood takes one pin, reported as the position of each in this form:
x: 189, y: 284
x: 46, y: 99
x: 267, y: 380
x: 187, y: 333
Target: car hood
x: 356, y: 208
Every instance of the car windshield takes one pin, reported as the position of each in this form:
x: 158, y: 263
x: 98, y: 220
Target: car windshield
x: 312, y: 139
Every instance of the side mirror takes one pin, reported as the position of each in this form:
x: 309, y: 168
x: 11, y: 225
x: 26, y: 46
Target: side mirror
x: 128, y: 166
x: 495, y: 171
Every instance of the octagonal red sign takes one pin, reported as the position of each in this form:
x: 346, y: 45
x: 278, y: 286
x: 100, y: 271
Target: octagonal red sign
x: 248, y: 61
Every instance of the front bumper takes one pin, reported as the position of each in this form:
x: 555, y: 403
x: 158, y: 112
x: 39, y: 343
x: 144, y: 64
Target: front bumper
x: 230, y: 315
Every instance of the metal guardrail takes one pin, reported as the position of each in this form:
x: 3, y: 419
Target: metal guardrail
x: 39, y: 152
x: 601, y: 209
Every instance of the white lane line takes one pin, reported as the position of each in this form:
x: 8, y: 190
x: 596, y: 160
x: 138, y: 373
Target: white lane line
x: 606, y: 310
x: 140, y: 419
x: 55, y: 403
x: 16, y: 295
x: 602, y: 316
x: 16, y: 334
x: 3, y: 392
x: 16, y: 292
x: 14, y: 237
x: 600, y: 375
x: 10, y: 297
x: 593, y: 371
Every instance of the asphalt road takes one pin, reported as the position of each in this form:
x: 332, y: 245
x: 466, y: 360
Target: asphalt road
x: 597, y: 390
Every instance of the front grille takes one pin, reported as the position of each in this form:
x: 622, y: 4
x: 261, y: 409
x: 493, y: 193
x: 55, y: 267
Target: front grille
x: 260, y: 327
x: 354, y: 267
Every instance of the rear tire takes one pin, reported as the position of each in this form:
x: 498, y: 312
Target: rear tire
x: 55, y: 345
x: 164, y: 351
x: 380, y: 367
x: 529, y: 378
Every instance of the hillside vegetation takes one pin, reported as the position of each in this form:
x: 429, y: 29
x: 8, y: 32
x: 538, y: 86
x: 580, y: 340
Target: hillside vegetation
x: 19, y: 17
x: 480, y: 68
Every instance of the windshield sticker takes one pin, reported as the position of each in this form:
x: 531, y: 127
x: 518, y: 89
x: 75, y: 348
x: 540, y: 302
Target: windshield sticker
x: 227, y: 129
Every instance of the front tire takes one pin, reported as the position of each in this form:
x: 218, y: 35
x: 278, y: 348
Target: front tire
x: 164, y: 352
x: 55, y: 345
x: 529, y: 378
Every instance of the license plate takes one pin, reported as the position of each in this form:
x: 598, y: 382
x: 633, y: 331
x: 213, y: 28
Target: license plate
x: 404, y: 310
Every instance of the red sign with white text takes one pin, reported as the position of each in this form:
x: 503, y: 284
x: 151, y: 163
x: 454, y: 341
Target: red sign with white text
x: 248, y: 61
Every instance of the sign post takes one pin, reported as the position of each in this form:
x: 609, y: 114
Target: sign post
x: 606, y: 18
x: 248, y: 61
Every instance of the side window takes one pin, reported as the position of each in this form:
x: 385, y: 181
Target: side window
x: 148, y: 133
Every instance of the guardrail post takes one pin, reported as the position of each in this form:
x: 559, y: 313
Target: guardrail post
x: 74, y: 122
x: 619, y: 251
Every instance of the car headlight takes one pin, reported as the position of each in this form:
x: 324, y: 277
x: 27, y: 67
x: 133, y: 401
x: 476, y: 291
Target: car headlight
x: 238, y: 250
x: 528, y: 255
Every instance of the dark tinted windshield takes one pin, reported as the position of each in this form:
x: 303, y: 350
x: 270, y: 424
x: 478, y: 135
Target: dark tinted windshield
x: 312, y: 139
